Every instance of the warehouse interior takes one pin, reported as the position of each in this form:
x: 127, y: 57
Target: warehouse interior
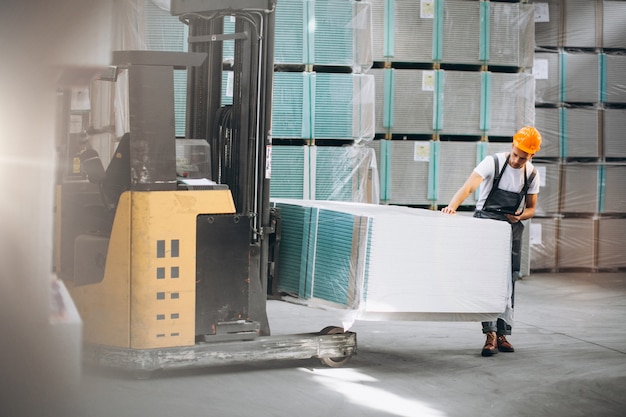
x: 380, y: 102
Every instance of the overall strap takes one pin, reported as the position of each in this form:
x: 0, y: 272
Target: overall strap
x: 496, y: 175
x: 528, y: 180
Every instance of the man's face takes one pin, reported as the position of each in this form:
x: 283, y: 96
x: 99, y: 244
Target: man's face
x: 518, y: 157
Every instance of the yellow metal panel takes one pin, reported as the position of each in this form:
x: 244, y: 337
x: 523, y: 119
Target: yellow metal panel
x: 105, y: 306
x: 163, y: 235
x: 147, y: 296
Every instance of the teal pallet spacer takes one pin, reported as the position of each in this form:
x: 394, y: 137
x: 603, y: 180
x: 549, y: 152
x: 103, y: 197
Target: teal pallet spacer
x: 388, y: 98
x: 562, y: 76
x: 309, y: 34
x: 308, y: 107
x: 385, y: 169
x: 389, y: 34
x: 485, y: 101
x: 309, y: 256
x: 437, y: 45
x: 481, y: 153
x: 563, y: 132
x: 309, y: 172
x: 433, y: 171
x: 601, y: 187
x: 603, y: 76
x: 485, y: 31
x: 438, y: 100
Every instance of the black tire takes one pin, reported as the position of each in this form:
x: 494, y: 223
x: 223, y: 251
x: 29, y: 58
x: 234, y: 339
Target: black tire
x: 336, y: 362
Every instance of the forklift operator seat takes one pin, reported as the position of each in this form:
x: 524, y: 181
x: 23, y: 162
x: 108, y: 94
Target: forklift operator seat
x: 117, y: 176
x: 91, y: 246
x: 116, y: 179
x: 92, y: 165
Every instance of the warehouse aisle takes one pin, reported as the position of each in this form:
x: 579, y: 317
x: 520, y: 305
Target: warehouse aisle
x: 570, y: 361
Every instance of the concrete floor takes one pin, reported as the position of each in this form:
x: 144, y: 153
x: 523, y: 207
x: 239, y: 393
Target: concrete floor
x: 570, y: 360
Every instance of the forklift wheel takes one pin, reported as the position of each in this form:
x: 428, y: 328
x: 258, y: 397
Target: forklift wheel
x: 337, y: 362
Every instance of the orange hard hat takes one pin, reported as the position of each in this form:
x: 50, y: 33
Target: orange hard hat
x: 528, y: 139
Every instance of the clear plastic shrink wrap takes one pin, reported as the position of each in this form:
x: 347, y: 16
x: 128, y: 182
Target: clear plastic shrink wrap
x: 329, y: 33
x: 341, y: 173
x: 316, y: 105
x: 392, y: 263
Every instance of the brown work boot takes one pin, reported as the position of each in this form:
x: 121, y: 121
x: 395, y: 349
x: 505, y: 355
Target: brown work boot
x: 490, y: 347
x: 504, y: 345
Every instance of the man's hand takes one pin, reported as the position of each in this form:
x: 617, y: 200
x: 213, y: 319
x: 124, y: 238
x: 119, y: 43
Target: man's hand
x: 513, y: 218
x: 448, y: 210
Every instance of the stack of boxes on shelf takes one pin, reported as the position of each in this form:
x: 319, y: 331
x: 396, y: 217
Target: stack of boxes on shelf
x: 428, y: 88
x: 580, y: 72
x: 339, y: 173
x: 323, y: 100
x: 453, y: 84
x: 377, y: 261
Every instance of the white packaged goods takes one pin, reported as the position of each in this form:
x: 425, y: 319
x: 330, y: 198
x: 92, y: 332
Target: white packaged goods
x: 393, y: 263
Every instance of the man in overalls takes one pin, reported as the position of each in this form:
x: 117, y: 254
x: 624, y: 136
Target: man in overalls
x: 509, y: 190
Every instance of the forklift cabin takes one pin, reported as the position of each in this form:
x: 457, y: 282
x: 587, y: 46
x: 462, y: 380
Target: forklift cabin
x: 173, y: 273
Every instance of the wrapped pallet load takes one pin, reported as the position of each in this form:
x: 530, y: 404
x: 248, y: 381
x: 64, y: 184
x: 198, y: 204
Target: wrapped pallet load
x: 376, y: 262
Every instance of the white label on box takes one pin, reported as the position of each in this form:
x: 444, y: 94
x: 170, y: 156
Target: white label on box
x: 542, y: 12
x: 540, y: 69
x: 427, y: 9
x: 535, y: 234
x: 421, y: 151
x: 542, y: 176
x: 428, y: 81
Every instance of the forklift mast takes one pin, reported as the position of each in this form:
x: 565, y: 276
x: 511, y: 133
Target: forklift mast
x: 239, y: 134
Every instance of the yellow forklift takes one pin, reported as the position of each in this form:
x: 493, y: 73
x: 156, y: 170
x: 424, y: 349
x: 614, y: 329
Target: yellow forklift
x: 167, y: 251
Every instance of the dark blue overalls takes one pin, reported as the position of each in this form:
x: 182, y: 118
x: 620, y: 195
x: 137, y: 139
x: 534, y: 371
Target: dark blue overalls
x: 499, y: 203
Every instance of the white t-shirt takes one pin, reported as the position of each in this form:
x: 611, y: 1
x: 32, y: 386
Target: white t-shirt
x: 512, y: 179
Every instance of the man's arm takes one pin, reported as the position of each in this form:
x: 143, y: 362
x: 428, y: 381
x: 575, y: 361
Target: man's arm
x: 471, y: 184
x: 529, y: 211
